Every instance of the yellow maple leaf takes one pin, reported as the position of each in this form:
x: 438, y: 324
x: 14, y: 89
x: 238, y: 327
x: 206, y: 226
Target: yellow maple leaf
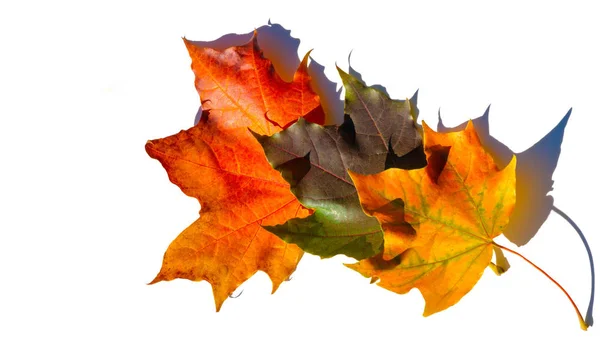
x: 439, y: 221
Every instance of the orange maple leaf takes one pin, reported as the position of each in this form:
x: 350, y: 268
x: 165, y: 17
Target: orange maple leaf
x: 439, y: 221
x: 220, y: 163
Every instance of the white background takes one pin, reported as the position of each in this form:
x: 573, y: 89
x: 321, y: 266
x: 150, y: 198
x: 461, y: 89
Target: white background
x: 86, y: 215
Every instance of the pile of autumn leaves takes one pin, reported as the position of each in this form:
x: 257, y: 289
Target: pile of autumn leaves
x: 416, y: 208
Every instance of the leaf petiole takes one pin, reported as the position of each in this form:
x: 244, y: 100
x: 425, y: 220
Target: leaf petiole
x: 582, y: 322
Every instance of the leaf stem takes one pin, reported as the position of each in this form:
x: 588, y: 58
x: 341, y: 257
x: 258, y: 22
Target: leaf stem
x: 589, y: 319
x: 582, y: 323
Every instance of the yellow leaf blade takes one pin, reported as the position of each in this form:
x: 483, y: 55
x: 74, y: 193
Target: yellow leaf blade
x: 438, y: 221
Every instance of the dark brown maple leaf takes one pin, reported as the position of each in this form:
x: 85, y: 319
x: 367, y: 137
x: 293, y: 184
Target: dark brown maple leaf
x: 314, y: 159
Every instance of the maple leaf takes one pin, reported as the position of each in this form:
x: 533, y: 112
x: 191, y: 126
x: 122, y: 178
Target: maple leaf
x: 439, y: 221
x: 220, y: 163
x: 377, y: 133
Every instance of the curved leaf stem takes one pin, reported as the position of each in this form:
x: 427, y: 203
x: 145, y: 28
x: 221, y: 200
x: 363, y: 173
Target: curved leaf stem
x: 582, y: 323
x: 589, y: 319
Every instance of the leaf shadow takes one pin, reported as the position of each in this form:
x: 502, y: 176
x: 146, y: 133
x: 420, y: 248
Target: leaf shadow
x: 589, y: 319
x: 235, y: 296
x: 278, y: 45
x: 535, y: 167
